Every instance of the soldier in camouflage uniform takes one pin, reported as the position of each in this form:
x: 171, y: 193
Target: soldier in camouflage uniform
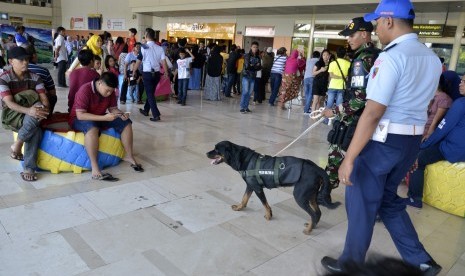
x: 359, y: 38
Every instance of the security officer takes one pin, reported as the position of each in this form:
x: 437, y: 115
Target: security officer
x: 386, y: 142
x: 358, y: 33
x: 151, y: 56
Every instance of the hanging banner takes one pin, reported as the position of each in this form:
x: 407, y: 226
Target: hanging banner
x: 42, y: 41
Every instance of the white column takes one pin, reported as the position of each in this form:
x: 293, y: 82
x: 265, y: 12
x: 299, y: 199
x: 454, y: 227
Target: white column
x: 457, y: 43
x: 310, y: 39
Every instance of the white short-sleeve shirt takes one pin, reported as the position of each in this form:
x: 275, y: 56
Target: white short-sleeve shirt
x: 152, y: 55
x: 184, y: 68
x: 404, y: 79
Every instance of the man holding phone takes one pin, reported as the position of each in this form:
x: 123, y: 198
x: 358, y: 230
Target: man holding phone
x: 89, y: 116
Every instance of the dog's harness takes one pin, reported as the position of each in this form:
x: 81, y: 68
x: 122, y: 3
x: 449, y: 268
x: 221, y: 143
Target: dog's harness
x: 258, y: 172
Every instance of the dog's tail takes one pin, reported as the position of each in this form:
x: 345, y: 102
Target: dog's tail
x: 324, y: 197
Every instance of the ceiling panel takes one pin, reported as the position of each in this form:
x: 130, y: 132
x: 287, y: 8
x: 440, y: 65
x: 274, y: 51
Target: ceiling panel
x: 420, y: 7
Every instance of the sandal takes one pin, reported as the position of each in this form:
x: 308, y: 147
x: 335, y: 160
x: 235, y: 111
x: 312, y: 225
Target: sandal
x: 17, y: 155
x: 105, y: 177
x: 29, y: 177
x: 137, y: 167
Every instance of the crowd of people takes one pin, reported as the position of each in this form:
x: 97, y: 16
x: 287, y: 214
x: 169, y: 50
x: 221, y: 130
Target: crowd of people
x: 398, y: 100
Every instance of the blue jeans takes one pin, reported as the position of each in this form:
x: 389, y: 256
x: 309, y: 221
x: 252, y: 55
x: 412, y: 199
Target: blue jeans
x: 247, y: 87
x: 334, y: 94
x: 308, y: 84
x: 231, y: 82
x: 275, y: 83
x: 133, y: 93
x: 425, y: 157
x: 182, y: 84
x: 31, y: 133
x: 150, y: 83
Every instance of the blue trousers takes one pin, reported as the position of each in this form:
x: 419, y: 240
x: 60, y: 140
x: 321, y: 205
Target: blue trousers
x: 308, y: 84
x: 275, y: 83
x: 182, y: 84
x: 150, y: 83
x: 377, y: 172
x: 425, y: 157
x: 247, y: 87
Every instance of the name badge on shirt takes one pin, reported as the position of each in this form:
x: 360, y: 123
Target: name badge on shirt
x: 381, y: 131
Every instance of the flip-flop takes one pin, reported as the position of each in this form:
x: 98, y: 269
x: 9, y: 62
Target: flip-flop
x: 25, y: 175
x: 105, y: 177
x: 137, y: 167
x: 17, y: 156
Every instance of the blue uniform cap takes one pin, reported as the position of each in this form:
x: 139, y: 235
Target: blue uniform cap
x: 392, y: 8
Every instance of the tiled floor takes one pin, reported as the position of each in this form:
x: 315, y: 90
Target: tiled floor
x: 175, y: 218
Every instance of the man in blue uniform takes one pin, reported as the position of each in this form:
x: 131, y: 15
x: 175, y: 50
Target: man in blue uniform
x: 386, y: 142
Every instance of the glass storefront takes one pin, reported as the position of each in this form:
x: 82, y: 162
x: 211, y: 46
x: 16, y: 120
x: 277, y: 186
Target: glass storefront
x: 445, y: 51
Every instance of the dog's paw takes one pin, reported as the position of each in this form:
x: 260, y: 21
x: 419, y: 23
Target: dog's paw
x: 307, y: 231
x: 237, y: 207
x: 268, y: 216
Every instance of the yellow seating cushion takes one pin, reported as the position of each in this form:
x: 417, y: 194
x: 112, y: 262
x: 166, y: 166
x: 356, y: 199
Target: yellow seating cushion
x: 445, y: 187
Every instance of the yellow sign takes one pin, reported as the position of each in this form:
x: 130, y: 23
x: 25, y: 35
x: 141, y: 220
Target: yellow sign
x: 39, y: 21
x: 202, y: 30
x: 429, y: 30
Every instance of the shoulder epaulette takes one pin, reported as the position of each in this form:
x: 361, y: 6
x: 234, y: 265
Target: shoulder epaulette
x: 389, y: 48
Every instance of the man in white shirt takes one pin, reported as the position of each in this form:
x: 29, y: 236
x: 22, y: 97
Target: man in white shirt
x: 61, y: 56
x: 151, y: 57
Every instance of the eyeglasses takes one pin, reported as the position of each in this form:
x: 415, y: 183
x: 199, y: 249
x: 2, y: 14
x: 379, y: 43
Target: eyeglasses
x: 462, y: 81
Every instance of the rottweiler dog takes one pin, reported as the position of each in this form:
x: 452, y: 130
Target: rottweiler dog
x: 263, y: 171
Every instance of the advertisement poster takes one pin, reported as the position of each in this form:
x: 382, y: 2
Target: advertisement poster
x: 116, y: 24
x: 76, y: 23
x: 42, y: 41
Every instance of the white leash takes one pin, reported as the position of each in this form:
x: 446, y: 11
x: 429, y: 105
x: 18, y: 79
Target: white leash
x: 317, y: 114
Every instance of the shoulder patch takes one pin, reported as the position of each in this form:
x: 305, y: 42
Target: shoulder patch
x: 375, y: 72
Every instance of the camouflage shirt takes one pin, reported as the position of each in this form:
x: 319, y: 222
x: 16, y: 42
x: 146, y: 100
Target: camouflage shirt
x: 361, y: 64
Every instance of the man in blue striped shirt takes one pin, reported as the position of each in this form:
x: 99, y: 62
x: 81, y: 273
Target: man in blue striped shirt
x: 44, y: 74
x: 277, y: 73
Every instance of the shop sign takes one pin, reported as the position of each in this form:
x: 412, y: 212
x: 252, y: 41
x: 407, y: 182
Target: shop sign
x: 259, y: 31
x: 39, y: 21
x: 429, y: 30
x: 16, y: 20
x: 202, y: 30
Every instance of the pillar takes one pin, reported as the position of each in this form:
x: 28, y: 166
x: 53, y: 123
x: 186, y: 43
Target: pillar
x: 457, y: 43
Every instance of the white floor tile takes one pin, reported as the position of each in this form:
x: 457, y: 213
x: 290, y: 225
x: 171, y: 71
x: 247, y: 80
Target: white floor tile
x: 124, y: 198
x: 198, y: 212
x: 45, y: 255
x: 43, y: 217
x: 122, y: 236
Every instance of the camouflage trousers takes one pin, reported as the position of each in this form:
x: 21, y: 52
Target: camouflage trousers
x: 335, y: 158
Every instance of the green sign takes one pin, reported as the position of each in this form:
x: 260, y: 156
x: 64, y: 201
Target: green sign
x: 429, y: 30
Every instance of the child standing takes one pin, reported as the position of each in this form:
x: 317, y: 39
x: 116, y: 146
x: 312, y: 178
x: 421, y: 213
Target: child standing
x: 183, y: 73
x: 111, y: 65
x: 133, y: 90
x: 98, y: 64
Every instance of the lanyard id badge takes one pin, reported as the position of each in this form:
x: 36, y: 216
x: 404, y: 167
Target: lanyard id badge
x: 381, y: 131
